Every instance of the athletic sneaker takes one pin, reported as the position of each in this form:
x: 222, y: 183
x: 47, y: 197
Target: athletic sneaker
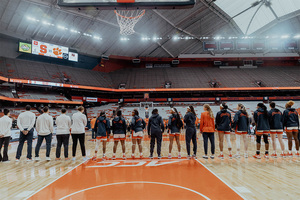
x: 124, y: 157
x: 132, y: 156
x: 230, y: 156
x: 169, y: 156
x: 266, y: 156
x: 85, y: 158
x: 151, y: 156
x: 104, y: 158
x: 274, y: 155
x: 66, y: 159
x: 221, y: 156
x: 205, y: 157
x: 212, y: 157
x: 17, y: 160
x: 179, y: 156
x: 28, y: 160
x: 194, y: 156
x: 283, y: 155
x: 94, y: 158
x: 113, y: 157
x: 297, y: 154
x: 74, y: 158
x: 257, y: 156
x: 7, y: 161
x: 245, y: 155
x: 48, y: 158
x: 57, y: 159
x: 37, y: 159
x: 189, y: 157
x: 141, y: 157
x: 159, y: 157
x: 290, y: 155
x: 237, y: 156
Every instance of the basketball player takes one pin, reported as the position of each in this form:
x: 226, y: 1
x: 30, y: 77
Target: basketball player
x: 291, y: 125
x: 174, y: 124
x: 276, y: 127
x: 262, y: 129
x: 119, y: 130
x: 223, y: 123
x: 207, y: 128
x: 190, y: 134
x: 240, y: 125
x: 102, y: 130
x: 137, y: 126
x: 5, y: 126
x: 44, y: 127
x: 25, y: 122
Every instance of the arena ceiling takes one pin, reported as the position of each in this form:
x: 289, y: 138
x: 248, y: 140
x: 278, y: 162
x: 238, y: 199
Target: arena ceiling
x: 96, y: 32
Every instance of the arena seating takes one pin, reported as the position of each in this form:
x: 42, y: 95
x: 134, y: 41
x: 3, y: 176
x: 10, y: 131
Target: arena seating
x: 41, y: 96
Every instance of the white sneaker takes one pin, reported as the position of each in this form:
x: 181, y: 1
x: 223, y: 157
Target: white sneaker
x: 7, y: 161
x: 237, y: 156
x: 48, y: 158
x: 28, y: 160
x: 85, y: 158
x: 74, y: 158
x: 17, y: 160
x: 37, y: 159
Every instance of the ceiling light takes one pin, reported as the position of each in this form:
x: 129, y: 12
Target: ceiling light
x: 285, y: 36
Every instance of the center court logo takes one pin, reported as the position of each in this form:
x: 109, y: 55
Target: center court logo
x: 131, y: 163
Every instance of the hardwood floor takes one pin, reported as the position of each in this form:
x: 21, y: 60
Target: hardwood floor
x: 254, y: 179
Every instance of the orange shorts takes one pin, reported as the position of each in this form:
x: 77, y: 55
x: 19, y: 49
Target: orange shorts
x: 241, y: 132
x: 102, y: 138
x: 175, y: 134
x: 276, y: 131
x: 224, y: 132
x: 291, y: 129
x: 119, y: 136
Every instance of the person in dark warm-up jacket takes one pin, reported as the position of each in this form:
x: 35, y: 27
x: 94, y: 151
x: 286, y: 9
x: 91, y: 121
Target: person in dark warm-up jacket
x: 119, y: 129
x: 102, y: 130
x: 223, y: 123
x: 191, y: 134
x: 137, y: 125
x: 291, y: 124
x: 276, y: 127
x: 155, y: 130
x: 262, y: 129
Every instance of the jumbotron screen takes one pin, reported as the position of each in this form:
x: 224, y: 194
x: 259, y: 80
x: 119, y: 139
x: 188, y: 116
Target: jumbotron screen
x: 50, y: 50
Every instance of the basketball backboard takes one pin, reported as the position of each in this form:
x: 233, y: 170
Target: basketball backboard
x: 128, y: 4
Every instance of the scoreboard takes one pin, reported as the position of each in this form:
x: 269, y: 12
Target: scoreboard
x: 50, y: 50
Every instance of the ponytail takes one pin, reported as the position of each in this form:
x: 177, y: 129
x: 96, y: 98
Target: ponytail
x: 243, y: 108
x: 261, y: 105
x: 209, y: 110
x: 192, y: 110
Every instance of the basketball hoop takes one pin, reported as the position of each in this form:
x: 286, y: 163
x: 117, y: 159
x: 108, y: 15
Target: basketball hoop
x: 127, y: 20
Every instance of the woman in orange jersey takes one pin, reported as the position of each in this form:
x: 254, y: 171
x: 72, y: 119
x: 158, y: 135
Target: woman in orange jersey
x: 207, y: 128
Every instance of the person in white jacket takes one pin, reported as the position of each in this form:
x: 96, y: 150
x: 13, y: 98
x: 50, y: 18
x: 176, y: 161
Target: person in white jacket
x: 63, y: 123
x: 44, y: 127
x: 78, y: 132
x: 5, y: 126
x: 25, y: 123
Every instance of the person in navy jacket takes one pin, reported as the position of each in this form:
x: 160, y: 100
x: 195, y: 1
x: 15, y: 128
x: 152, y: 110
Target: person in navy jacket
x: 262, y: 129
x: 240, y: 125
x: 291, y: 124
x: 276, y: 127
x: 174, y: 125
x: 119, y: 128
x: 102, y: 130
x: 137, y: 125
x: 223, y: 124
x: 190, y: 133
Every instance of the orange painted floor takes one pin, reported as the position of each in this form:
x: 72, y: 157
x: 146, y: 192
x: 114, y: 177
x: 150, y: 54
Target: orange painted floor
x: 138, y: 179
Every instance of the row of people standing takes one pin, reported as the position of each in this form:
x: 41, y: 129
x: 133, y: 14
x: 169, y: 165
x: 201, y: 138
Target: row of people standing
x: 44, y: 126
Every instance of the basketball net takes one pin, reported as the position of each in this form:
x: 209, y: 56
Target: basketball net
x: 127, y: 20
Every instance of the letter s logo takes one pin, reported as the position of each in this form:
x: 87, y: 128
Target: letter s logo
x: 43, y: 49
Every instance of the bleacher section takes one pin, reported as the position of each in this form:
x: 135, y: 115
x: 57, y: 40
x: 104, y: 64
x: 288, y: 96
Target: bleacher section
x: 187, y: 77
x: 41, y: 96
x: 23, y: 69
